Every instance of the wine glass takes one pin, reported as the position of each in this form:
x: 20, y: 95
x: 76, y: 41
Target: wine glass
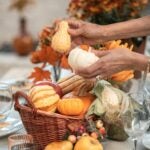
x: 136, y: 123
x: 147, y: 100
x: 21, y: 142
x: 6, y: 101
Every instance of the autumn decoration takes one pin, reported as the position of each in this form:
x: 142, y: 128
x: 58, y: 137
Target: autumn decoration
x: 23, y: 43
x: 46, y: 55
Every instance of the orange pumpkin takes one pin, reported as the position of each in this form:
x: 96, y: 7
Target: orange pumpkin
x: 87, y: 100
x: 70, y: 106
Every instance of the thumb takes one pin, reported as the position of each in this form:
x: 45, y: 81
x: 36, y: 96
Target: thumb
x: 100, y: 53
x: 75, y: 32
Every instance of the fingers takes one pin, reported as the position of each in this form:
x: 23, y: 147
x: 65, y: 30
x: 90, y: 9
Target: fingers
x: 75, y: 27
x: 90, y: 72
x: 100, y: 53
x: 75, y: 32
x: 93, y: 75
x: 74, y: 23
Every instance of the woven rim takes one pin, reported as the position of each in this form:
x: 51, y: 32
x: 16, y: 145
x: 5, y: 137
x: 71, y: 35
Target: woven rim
x: 32, y: 108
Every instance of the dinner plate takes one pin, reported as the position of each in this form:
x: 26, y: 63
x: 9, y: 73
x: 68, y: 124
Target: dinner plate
x: 10, y: 125
x: 146, y: 140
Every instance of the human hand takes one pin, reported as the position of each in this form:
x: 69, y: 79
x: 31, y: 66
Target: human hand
x: 114, y: 61
x: 84, y: 32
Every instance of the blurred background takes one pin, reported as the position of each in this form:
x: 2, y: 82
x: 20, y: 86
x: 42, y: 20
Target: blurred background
x: 22, y: 20
x: 27, y: 15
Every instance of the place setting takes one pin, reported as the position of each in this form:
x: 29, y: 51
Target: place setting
x: 8, y: 123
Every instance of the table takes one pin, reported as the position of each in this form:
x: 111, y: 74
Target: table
x: 108, y: 144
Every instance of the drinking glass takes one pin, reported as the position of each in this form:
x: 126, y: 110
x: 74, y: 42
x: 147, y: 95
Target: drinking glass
x: 6, y: 101
x: 147, y: 101
x: 137, y: 122
x: 21, y: 142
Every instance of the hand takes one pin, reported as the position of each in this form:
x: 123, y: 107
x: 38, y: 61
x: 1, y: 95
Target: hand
x: 85, y: 33
x: 114, y: 61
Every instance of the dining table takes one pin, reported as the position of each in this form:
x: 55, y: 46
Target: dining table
x: 14, y: 72
x: 107, y: 144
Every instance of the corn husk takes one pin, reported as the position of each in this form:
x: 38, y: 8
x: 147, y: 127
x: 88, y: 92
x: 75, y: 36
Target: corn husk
x: 111, y: 103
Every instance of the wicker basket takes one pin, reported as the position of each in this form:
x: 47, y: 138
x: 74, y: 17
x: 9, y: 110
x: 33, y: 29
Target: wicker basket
x: 44, y: 127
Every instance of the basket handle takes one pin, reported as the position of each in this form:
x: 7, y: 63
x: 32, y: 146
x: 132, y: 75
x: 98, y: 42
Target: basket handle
x: 19, y: 94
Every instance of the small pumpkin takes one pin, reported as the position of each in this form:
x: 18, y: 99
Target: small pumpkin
x: 87, y: 100
x: 70, y: 106
x: 79, y: 58
x: 44, y: 96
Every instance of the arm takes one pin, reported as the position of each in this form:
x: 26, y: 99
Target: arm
x: 127, y: 29
x: 114, y: 61
x: 88, y: 33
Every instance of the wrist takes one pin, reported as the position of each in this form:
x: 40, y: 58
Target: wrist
x: 141, y: 62
x: 103, y: 34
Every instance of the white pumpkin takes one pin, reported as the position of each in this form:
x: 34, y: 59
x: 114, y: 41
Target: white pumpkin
x: 79, y: 58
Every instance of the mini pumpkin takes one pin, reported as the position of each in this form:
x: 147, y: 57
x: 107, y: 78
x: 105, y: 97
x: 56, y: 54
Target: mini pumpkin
x: 87, y: 100
x: 70, y: 106
x: 44, y: 96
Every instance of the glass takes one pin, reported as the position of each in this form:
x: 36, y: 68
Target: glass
x: 147, y: 101
x: 21, y: 142
x: 6, y: 101
x: 137, y: 122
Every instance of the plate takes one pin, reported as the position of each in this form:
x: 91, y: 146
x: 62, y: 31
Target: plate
x: 146, y: 140
x: 10, y: 125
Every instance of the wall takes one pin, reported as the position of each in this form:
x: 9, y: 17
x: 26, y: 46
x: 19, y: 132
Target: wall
x: 42, y: 13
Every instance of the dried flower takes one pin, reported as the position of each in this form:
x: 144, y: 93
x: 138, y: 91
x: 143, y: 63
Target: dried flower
x: 119, y: 10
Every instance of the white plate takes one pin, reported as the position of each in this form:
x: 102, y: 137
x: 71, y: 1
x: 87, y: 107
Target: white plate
x: 146, y: 140
x: 14, y: 124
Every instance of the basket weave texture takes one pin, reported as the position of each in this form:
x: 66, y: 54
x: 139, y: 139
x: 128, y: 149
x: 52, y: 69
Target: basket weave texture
x: 44, y: 127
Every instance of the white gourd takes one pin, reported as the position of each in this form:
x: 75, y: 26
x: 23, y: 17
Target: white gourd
x: 110, y: 97
x: 61, y: 41
x: 79, y: 58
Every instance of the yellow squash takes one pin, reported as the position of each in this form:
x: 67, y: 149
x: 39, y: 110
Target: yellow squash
x: 63, y: 145
x: 88, y: 143
x: 61, y: 41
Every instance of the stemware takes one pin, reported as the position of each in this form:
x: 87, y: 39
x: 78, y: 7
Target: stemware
x: 6, y: 101
x: 137, y: 122
x: 21, y: 142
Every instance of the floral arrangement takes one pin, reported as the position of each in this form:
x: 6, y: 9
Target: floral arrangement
x: 20, y: 5
x: 46, y: 55
x: 108, y: 11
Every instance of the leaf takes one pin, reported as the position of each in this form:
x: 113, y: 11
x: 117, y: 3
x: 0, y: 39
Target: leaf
x: 38, y: 75
x: 46, y: 55
x: 64, y: 62
x: 35, y: 57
